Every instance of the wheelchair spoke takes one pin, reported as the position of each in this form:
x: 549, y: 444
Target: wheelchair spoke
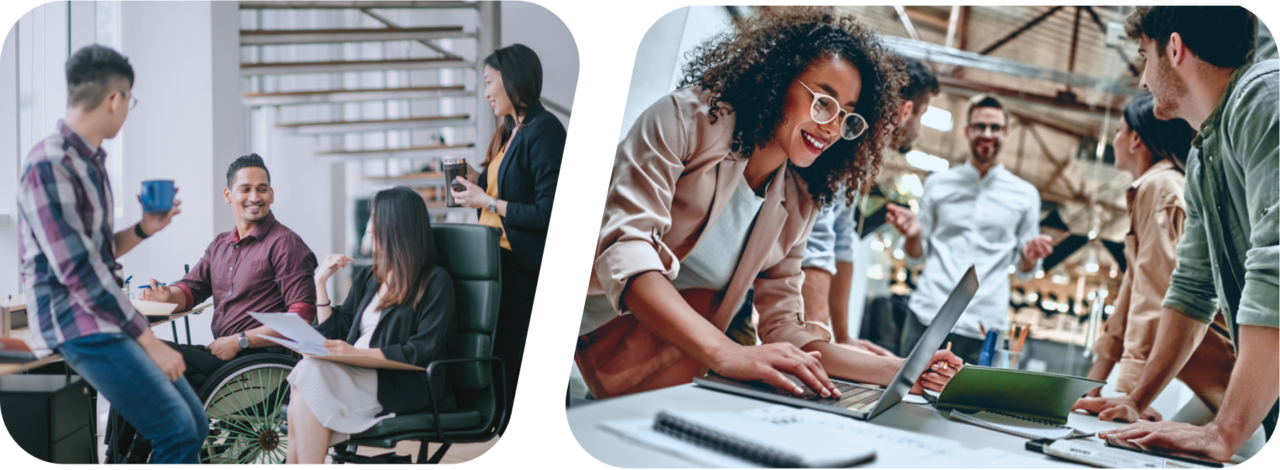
x: 281, y: 393
x: 231, y: 421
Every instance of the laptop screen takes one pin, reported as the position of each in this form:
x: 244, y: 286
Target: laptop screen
x: 922, y: 355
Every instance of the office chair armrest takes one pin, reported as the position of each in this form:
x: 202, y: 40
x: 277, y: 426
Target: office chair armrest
x: 501, y: 416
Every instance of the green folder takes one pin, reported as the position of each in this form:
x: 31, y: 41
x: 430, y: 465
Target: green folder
x: 1036, y: 395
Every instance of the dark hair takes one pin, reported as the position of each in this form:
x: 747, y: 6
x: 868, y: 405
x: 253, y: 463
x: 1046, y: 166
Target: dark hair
x: 1220, y: 35
x: 921, y: 82
x: 522, y: 80
x: 751, y: 69
x: 406, y: 251
x: 248, y: 161
x: 91, y: 72
x: 983, y: 100
x: 1166, y: 139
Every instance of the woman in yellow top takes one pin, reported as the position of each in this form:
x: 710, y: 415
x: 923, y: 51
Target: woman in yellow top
x: 1154, y: 152
x: 517, y: 189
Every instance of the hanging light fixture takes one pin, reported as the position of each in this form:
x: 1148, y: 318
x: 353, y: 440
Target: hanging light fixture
x: 1091, y: 260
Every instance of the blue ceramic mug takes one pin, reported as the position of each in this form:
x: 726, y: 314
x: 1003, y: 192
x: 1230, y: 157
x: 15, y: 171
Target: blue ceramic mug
x: 157, y: 195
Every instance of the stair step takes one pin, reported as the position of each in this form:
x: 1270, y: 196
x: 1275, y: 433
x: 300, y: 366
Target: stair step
x: 337, y: 127
x: 348, y: 5
x: 426, y: 151
x: 342, y: 96
x: 322, y: 36
x: 286, y: 68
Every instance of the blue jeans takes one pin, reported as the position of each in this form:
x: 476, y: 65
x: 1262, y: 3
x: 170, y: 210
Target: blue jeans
x: 167, y: 413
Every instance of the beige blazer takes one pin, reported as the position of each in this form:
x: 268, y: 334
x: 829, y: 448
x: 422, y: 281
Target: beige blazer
x: 1157, y: 211
x: 674, y: 172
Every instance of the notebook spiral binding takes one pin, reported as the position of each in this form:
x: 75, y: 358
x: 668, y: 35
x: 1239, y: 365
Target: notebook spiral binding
x: 954, y: 414
x: 1024, y: 418
x: 710, y: 438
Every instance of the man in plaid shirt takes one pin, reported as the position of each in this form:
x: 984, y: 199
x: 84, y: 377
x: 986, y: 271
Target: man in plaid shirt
x: 69, y: 250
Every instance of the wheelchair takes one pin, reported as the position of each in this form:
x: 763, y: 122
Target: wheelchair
x: 245, y: 401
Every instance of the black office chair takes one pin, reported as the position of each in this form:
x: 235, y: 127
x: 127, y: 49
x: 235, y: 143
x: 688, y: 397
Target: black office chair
x: 470, y: 254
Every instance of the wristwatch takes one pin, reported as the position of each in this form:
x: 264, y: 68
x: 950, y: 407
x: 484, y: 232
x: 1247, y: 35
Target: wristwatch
x: 244, y: 341
x: 493, y: 205
x: 137, y: 230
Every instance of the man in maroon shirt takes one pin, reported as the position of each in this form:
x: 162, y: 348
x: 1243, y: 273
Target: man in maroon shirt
x: 259, y: 266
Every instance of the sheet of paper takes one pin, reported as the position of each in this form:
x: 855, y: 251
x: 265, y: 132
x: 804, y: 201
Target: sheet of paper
x: 296, y: 346
x: 293, y: 327
x: 151, y: 309
x: 348, y: 359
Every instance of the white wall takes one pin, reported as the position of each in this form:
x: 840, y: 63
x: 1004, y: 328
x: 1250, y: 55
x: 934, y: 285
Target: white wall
x: 9, y: 151
x: 661, y: 56
x: 541, y: 30
x: 186, y: 128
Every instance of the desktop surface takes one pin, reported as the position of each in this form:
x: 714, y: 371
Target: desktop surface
x: 608, y: 447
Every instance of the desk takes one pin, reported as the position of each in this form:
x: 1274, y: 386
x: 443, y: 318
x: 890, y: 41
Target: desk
x: 614, y: 450
x: 25, y: 335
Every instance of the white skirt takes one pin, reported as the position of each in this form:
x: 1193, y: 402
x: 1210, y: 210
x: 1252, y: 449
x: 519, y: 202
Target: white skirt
x: 343, y: 398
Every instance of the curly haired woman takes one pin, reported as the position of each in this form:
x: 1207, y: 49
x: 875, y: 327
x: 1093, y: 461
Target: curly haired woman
x: 714, y: 192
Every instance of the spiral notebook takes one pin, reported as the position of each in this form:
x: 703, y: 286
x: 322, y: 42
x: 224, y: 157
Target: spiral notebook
x: 761, y: 442
x: 1020, y: 426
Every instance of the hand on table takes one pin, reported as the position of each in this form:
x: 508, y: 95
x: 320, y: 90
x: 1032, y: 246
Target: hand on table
x: 1170, y: 436
x: 941, y: 369
x: 1121, y: 408
x: 225, y: 348
x: 769, y: 362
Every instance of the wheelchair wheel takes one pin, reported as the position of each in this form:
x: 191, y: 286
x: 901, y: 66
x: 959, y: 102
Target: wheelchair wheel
x: 245, y: 402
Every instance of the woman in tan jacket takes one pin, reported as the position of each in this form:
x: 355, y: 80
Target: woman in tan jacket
x: 714, y: 192
x: 1154, y: 152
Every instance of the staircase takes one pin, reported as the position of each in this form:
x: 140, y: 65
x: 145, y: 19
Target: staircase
x: 391, y: 85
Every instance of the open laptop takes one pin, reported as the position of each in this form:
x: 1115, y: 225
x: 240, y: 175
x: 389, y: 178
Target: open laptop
x: 864, y: 401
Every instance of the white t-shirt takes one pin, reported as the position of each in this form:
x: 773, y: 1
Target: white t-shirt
x: 369, y: 322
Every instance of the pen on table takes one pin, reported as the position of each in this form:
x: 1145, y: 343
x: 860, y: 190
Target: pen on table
x: 148, y: 286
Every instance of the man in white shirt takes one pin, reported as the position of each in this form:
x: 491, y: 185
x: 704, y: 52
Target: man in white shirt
x: 976, y: 214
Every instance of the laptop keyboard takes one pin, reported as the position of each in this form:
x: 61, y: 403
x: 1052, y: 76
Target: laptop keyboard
x: 852, y: 396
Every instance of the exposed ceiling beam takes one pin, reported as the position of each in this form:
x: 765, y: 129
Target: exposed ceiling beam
x: 1058, y: 101
x: 906, y: 22
x: 1103, y: 28
x: 935, y: 53
x: 957, y: 27
x: 925, y: 19
x: 1075, y: 41
x: 1021, y: 29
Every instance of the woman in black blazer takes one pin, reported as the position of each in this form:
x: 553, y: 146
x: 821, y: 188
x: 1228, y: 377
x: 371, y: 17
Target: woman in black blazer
x: 401, y: 309
x: 517, y: 189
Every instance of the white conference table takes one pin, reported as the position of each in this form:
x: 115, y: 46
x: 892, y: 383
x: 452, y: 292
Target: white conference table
x: 612, y: 449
